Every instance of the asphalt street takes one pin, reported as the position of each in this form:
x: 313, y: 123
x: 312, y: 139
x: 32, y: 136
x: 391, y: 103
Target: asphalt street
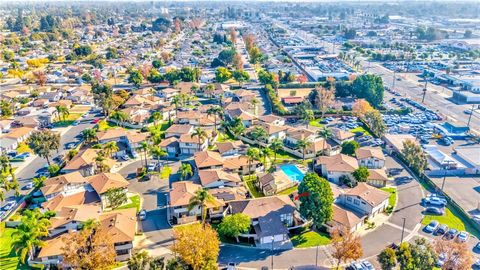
x: 25, y: 175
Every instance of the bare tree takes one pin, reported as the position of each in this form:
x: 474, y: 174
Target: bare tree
x: 346, y: 245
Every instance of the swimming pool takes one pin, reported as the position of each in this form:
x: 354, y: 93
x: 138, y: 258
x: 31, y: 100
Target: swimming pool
x: 292, y: 172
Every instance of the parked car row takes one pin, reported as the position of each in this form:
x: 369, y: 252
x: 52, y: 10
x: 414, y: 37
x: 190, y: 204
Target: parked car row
x: 363, y: 265
x: 437, y: 229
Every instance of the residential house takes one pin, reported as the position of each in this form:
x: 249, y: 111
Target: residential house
x: 69, y: 218
x: 65, y: 184
x: 365, y: 199
x: 168, y: 93
x: 171, y: 146
x: 272, y: 119
x: 344, y: 218
x: 340, y: 136
x: 177, y: 130
x: 370, y: 157
x: 85, y: 162
x: 179, y: 200
x: 246, y: 117
x: 205, y: 160
x: 337, y: 166
x: 241, y: 165
x: 103, y: 182
x: 377, y: 178
x: 231, y: 148
x: 270, y: 217
x: 266, y: 183
x: 218, y: 178
x: 131, y: 139
x: 189, y: 144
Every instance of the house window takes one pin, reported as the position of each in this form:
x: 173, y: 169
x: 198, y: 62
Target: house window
x: 122, y: 252
x: 349, y: 199
x: 363, y: 202
x: 357, y: 202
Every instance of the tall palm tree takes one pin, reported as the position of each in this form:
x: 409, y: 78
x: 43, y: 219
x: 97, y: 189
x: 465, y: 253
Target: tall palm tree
x: 100, y: 164
x: 158, y: 152
x: 264, y: 153
x: 276, y: 145
x: 200, y: 134
x: 110, y: 148
x: 254, y: 103
x: 185, y: 171
x: 120, y: 116
x: 258, y: 133
x: 303, y: 144
x: 62, y: 112
x: 201, y: 199
x: 89, y: 135
x: 252, y: 154
x: 308, y: 116
x: 32, y: 228
x: 324, y: 133
x: 177, y: 102
x: 156, y: 117
x: 144, y: 146
x: 215, y: 111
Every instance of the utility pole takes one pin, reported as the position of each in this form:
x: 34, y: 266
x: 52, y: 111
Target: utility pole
x: 470, y: 116
x: 425, y: 89
x: 445, y: 168
x: 403, y: 230
x: 394, y: 79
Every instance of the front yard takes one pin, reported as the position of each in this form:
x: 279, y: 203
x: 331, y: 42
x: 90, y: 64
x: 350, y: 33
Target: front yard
x: 133, y: 201
x: 310, y: 239
x: 392, y: 200
x: 68, y: 120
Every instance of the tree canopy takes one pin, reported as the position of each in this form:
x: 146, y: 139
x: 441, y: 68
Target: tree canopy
x: 317, y: 201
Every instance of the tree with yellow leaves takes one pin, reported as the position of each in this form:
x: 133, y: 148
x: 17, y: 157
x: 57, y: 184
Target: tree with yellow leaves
x: 457, y: 254
x: 197, y: 246
x: 361, y: 107
x: 346, y: 245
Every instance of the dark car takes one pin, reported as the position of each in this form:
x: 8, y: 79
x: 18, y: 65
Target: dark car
x: 450, y: 234
x: 441, y: 230
x: 434, y: 210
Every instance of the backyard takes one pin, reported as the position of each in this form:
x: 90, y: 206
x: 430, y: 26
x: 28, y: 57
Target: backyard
x: 252, y: 188
x: 8, y: 258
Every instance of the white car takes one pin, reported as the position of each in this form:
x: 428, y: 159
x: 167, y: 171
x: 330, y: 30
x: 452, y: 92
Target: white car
x: 9, y: 205
x: 142, y: 215
x: 368, y: 265
x: 151, y: 166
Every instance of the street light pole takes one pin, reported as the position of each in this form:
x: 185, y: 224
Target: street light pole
x: 444, y: 176
x: 470, y: 116
x: 403, y: 230
x: 272, y: 252
x: 425, y: 89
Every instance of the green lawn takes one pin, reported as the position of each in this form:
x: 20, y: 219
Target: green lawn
x: 393, y: 195
x: 310, y: 239
x: 360, y: 129
x: 68, y: 121
x: 316, y: 123
x: 135, y: 202
x: 451, y: 220
x: 250, y: 183
x: 224, y: 137
x: 282, y: 155
x: 8, y: 258
x: 288, y: 191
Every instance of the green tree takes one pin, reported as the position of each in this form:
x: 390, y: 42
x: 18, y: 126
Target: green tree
x: 265, y: 153
x: 376, y: 123
x: 222, y: 75
x: 6, y: 108
x: 156, y: 117
x: 110, y: 147
x: 200, y: 134
x: 266, y: 77
x: 216, y: 111
x: 387, y: 259
x: 158, y: 152
x: 241, y: 76
x: 253, y: 154
x: 63, y: 112
x: 39, y: 182
x: 258, y: 134
x: 157, y: 63
x: 89, y: 135
x: 349, y: 147
x: 326, y: 134
x: 8, y: 181
x: 361, y: 174
x: 369, y: 87
x: 276, y: 145
x: 404, y: 257
x: 414, y: 156
x: 234, y: 225
x: 33, y: 227
x: 139, y: 260
x: 201, y: 199
x: 135, y: 77
x: 185, y: 171
x: 144, y: 147
x: 116, y: 197
x: 120, y: 116
x: 316, y: 200
x: 53, y: 170
x: 43, y: 142
x: 423, y: 254
x: 303, y: 145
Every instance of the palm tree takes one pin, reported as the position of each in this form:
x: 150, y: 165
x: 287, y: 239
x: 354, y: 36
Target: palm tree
x: 215, y: 111
x: 254, y: 103
x: 201, y: 199
x: 177, y: 101
x: 62, y: 112
x: 89, y: 135
x: 308, y: 116
x: 252, y: 154
x: 185, y: 171
x: 209, y: 89
x: 276, y: 145
x: 324, y: 133
x: 120, y: 116
x: 156, y: 116
x: 303, y: 144
x: 144, y: 148
x: 200, y: 134
x: 100, y: 164
x: 158, y: 152
x: 258, y: 133
x: 110, y: 148
x: 33, y: 226
x: 264, y: 153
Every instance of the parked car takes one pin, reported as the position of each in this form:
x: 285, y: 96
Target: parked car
x: 151, y: 166
x: 476, y: 264
x: 463, y: 236
x: 142, y: 215
x: 8, y: 205
x: 28, y: 186
x: 95, y: 121
x: 450, y: 234
x: 441, y: 230
x: 231, y: 266
x: 434, y: 210
x: 440, y: 261
x: 432, y: 226
x: 22, y: 156
x: 368, y: 265
x: 477, y: 247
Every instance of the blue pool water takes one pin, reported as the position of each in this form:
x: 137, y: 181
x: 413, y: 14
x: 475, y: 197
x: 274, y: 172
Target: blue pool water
x: 292, y: 172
